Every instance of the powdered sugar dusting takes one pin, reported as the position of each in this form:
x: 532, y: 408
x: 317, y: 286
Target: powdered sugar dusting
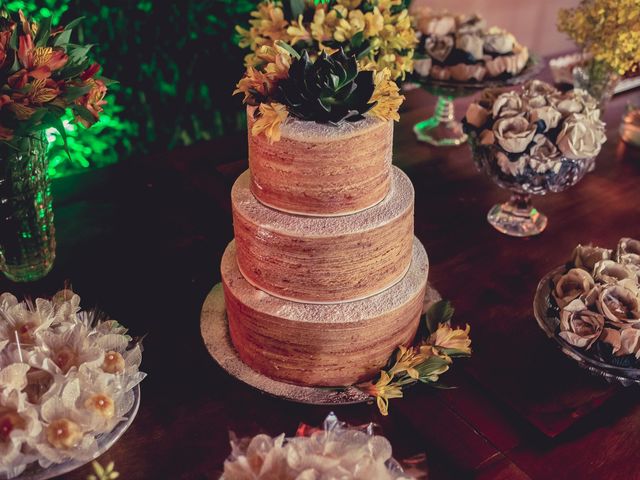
x: 307, y: 131
x: 398, y: 201
x: 350, y: 312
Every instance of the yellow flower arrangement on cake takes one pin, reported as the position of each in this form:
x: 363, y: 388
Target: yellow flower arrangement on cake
x: 330, y: 89
x: 378, y: 32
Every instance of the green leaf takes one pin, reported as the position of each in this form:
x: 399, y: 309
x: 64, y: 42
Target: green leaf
x: 58, y: 125
x: 84, y: 113
x: 357, y: 39
x: 13, y: 41
x: 62, y: 38
x: 288, y: 48
x: 73, y: 23
x: 430, y: 366
x: 454, y: 352
x: 44, y: 32
x: 15, y: 66
x: 108, y: 81
x: 73, y: 93
x: 293, y: 8
x: 364, y: 53
x: 78, y: 54
x: 440, y: 312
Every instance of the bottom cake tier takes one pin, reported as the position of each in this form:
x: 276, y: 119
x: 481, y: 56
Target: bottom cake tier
x: 322, y: 345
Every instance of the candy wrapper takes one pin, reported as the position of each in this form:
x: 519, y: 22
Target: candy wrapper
x: 335, y: 451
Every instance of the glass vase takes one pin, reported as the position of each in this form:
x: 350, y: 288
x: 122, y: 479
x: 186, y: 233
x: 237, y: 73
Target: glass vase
x: 598, y: 79
x: 27, y: 234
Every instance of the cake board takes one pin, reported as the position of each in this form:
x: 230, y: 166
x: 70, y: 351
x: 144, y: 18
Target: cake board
x: 215, y: 333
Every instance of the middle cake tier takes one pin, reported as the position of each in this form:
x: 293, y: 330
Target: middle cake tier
x: 324, y: 259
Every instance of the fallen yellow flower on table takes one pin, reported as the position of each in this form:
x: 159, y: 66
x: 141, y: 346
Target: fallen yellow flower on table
x: 451, y: 339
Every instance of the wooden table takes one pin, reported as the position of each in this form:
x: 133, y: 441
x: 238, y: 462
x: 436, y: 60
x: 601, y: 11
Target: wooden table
x: 143, y: 240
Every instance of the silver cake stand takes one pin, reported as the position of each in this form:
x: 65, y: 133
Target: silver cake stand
x: 215, y: 332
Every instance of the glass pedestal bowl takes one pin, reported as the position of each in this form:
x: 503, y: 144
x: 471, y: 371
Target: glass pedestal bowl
x: 525, y: 176
x: 548, y: 318
x: 442, y: 129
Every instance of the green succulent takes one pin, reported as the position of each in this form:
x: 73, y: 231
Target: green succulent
x: 328, y: 90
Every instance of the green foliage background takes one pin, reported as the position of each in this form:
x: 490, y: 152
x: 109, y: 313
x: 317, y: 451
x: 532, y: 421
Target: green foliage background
x: 176, y: 63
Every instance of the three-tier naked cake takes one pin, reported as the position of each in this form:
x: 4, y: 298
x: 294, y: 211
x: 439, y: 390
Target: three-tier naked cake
x: 324, y: 279
x: 314, y: 298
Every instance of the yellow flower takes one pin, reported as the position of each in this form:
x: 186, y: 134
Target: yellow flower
x: 383, y: 390
x: 275, y: 62
x: 448, y: 338
x: 374, y: 23
x: 350, y: 4
x: 271, y: 118
x: 297, y: 32
x: 320, y: 31
x: 269, y: 21
x: 348, y: 27
x: 407, y: 359
x: 386, y: 5
x: 253, y: 81
x: 607, y: 29
x: 247, y: 37
x: 387, y: 97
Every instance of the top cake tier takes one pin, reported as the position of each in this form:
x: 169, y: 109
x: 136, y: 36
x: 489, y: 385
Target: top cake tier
x: 322, y: 169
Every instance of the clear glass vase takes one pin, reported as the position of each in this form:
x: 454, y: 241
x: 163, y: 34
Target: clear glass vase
x: 598, y: 79
x: 27, y: 233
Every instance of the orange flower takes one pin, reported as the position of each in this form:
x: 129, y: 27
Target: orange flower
x: 21, y: 111
x: 254, y: 81
x: 5, y: 36
x: 93, y: 101
x: 90, y: 72
x: 42, y: 91
x: 39, y: 62
x: 5, y: 133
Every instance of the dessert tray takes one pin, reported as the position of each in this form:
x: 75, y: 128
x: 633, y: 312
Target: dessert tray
x: 594, y: 319
x: 215, y: 332
x: 455, y: 89
x: 442, y: 129
x: 549, y: 321
x: 105, y: 442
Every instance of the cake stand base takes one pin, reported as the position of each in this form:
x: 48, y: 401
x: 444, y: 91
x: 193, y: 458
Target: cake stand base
x: 215, y: 332
x: 448, y: 134
x: 517, y: 217
x: 441, y: 130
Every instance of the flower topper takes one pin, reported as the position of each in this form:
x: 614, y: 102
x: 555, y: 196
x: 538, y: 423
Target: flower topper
x: 378, y: 32
x: 331, y: 89
x: 423, y: 362
x: 43, y: 74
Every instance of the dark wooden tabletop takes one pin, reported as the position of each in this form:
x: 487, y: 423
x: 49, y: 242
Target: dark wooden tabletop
x: 143, y: 240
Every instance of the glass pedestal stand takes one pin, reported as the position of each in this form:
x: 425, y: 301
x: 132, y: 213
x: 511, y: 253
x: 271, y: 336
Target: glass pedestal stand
x: 517, y: 217
x: 442, y: 129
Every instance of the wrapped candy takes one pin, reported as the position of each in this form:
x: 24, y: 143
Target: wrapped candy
x: 334, y: 452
